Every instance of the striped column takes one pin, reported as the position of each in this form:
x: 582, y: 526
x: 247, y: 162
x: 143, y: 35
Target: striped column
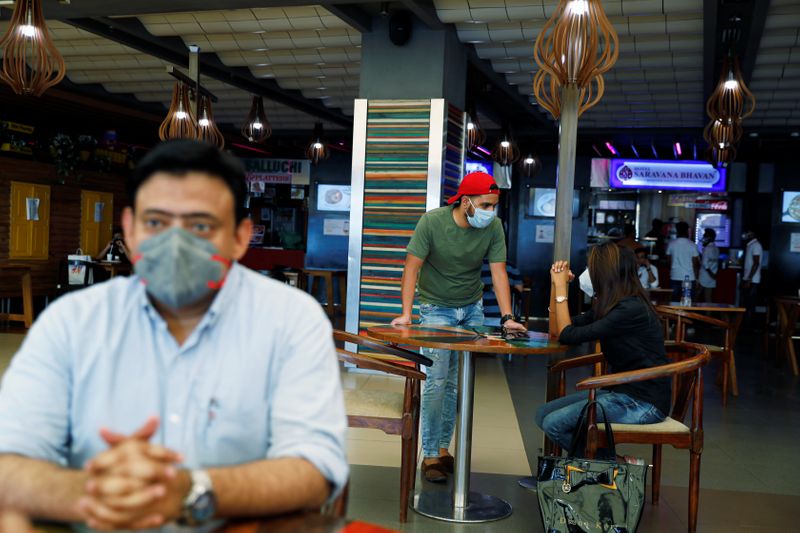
x: 406, y: 154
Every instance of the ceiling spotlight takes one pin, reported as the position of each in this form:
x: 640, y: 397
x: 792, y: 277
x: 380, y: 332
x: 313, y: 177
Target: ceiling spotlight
x: 795, y: 134
x: 753, y: 134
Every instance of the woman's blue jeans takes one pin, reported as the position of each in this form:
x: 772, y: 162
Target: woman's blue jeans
x: 559, y: 418
x: 440, y: 392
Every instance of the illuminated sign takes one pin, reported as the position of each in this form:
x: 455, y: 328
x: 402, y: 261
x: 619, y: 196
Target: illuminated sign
x: 277, y: 171
x: 681, y: 175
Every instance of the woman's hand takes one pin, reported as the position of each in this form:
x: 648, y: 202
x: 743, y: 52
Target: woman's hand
x: 560, y: 274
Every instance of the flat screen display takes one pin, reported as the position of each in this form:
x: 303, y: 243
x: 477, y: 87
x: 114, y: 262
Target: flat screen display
x: 790, y: 212
x: 333, y: 198
x: 716, y: 221
x: 477, y: 165
x: 664, y: 174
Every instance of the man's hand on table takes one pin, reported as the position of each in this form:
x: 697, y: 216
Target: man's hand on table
x: 513, y: 325
x: 134, y: 484
x: 402, y: 320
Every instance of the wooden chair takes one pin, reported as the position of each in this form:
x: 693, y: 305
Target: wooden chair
x: 687, y: 389
x: 393, y: 413
x: 725, y: 352
x: 788, y: 317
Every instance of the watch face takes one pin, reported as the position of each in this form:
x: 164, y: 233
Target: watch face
x: 204, y: 507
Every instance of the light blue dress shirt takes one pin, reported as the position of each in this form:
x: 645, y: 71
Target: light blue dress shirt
x: 258, y: 378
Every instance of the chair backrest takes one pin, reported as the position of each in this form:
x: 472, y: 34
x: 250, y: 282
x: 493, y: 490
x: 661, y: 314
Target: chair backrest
x: 377, y: 346
x: 685, y: 382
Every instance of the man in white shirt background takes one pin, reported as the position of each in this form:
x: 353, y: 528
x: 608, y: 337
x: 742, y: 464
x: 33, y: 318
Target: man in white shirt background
x: 648, y: 273
x: 684, y: 260
x: 751, y: 275
x: 709, y: 265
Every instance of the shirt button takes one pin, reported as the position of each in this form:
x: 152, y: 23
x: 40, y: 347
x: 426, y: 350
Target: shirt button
x: 175, y: 419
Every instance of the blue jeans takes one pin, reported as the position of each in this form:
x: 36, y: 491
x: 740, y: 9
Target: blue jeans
x: 559, y: 418
x: 440, y: 392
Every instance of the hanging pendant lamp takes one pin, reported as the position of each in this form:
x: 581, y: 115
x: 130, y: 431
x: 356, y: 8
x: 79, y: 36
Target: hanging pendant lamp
x: 179, y: 122
x: 257, y: 128
x: 31, y: 62
x: 575, y: 47
x: 505, y: 152
x: 317, y: 149
x: 207, y: 129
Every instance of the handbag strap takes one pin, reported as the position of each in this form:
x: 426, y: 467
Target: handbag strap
x: 582, y: 428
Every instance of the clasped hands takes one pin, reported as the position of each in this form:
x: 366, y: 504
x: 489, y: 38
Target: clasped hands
x: 134, y: 484
x: 560, y: 274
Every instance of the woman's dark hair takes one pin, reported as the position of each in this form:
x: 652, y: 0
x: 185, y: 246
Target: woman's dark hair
x: 614, y: 274
x: 181, y: 157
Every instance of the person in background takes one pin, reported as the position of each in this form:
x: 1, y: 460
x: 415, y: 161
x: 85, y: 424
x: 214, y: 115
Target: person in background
x: 751, y: 274
x: 116, y: 248
x: 630, y: 334
x: 154, y: 399
x: 629, y: 238
x: 684, y: 260
x: 657, y: 233
x: 444, y: 260
x: 709, y: 265
x: 491, y: 308
x: 648, y: 273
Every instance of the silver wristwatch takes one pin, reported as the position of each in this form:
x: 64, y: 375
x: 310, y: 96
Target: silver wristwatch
x: 200, y: 504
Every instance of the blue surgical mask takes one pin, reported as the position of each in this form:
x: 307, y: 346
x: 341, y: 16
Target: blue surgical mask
x: 481, y: 218
x: 179, y: 268
x: 586, y: 283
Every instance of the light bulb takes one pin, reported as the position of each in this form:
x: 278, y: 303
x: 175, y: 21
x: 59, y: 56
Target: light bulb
x: 722, y: 145
x: 204, y: 122
x: 180, y: 115
x: 317, y: 145
x: 528, y: 160
x: 28, y: 30
x: 505, y: 144
x: 578, y: 7
x: 257, y: 125
x: 731, y: 84
x: 470, y: 126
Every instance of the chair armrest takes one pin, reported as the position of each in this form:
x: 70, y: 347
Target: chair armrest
x: 364, y: 361
x: 689, y: 315
x: 381, y: 347
x: 575, y: 362
x: 632, y: 376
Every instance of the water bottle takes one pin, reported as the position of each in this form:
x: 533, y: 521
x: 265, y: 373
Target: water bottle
x: 686, y: 295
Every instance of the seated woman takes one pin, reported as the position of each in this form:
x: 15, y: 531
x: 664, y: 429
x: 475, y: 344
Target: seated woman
x: 625, y: 322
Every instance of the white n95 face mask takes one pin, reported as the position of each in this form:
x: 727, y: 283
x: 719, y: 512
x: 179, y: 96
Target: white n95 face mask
x: 586, y: 283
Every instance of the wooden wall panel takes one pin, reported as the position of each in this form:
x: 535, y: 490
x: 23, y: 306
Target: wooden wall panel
x: 65, y: 216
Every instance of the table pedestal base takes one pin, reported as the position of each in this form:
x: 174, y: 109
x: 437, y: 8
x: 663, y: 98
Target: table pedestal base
x: 481, y: 507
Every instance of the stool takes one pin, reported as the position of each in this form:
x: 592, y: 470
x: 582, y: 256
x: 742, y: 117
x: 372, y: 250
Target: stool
x: 328, y: 275
x: 27, y: 295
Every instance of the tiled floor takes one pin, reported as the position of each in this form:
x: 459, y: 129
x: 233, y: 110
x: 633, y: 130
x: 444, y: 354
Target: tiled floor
x: 750, y: 466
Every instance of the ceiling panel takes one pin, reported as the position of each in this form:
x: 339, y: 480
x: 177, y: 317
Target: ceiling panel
x: 657, y: 78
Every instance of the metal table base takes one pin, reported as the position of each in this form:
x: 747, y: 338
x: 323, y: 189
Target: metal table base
x: 462, y: 505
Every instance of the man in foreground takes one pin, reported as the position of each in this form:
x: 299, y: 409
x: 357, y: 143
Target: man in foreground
x: 194, y: 390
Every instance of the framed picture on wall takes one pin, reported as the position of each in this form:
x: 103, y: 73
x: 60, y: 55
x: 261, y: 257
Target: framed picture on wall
x: 790, y: 212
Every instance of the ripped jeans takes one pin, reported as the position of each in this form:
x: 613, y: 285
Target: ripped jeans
x: 440, y: 392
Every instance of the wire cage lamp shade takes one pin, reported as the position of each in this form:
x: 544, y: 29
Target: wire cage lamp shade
x: 731, y: 98
x: 207, y: 129
x: 575, y: 47
x: 505, y: 152
x: 256, y: 128
x: 31, y: 62
x: 317, y: 149
x: 180, y: 122
x: 475, y: 134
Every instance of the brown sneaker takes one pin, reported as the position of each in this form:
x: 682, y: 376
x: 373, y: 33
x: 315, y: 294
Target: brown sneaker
x: 448, y: 463
x: 434, y: 472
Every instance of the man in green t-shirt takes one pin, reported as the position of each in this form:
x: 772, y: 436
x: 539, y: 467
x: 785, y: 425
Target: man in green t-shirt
x: 446, y: 253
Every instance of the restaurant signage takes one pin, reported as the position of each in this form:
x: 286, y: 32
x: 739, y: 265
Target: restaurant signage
x: 697, y: 201
x: 278, y: 171
x: 653, y: 174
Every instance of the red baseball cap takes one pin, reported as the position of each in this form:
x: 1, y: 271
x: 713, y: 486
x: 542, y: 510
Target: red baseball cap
x: 475, y: 183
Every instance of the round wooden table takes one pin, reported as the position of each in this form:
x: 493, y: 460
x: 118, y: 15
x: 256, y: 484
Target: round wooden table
x: 462, y: 505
